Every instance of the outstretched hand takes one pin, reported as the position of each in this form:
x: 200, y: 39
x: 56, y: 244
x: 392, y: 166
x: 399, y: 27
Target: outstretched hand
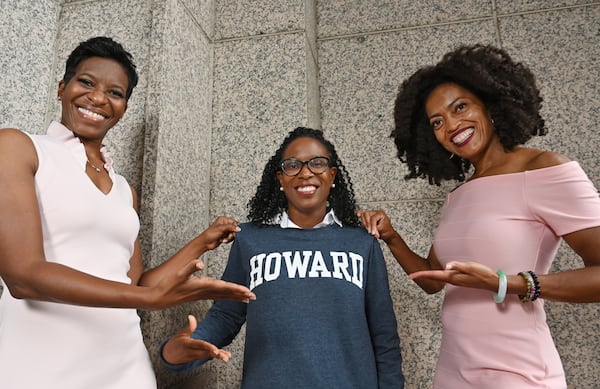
x: 467, y: 274
x: 184, y: 286
x: 181, y: 348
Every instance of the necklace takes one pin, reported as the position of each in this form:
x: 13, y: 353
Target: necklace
x: 96, y: 168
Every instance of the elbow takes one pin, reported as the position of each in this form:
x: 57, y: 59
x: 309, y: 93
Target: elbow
x: 432, y: 288
x: 19, y: 291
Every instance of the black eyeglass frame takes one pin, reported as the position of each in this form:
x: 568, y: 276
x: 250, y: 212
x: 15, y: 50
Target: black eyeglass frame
x: 307, y: 163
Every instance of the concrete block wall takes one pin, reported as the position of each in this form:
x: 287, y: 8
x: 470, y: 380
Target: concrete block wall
x: 222, y: 82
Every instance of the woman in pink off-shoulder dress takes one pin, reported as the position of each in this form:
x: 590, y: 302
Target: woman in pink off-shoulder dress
x: 466, y: 119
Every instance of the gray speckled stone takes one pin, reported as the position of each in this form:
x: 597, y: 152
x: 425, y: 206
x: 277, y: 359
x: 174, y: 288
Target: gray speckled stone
x: 259, y: 96
x: 354, y: 16
x: 242, y: 18
x: 562, y: 48
x: 204, y: 14
x: 511, y: 6
x: 27, y: 46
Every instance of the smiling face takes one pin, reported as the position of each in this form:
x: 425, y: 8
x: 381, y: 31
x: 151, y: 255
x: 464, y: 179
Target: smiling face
x: 460, y: 121
x: 306, y: 192
x: 93, y: 100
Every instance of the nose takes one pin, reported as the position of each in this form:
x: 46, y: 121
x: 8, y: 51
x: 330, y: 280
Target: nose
x: 96, y: 96
x: 452, y: 123
x: 305, y: 171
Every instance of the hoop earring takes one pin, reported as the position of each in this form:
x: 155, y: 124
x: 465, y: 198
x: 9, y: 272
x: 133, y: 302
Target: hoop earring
x: 451, y: 156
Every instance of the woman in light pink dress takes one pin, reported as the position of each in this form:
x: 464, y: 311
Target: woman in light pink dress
x: 466, y: 119
x: 70, y: 258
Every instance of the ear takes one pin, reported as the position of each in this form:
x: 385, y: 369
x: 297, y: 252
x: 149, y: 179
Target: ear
x: 333, y: 171
x: 61, y: 89
x: 279, y: 177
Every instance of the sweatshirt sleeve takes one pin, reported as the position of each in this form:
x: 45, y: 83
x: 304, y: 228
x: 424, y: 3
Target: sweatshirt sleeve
x: 382, y: 322
x: 224, y: 319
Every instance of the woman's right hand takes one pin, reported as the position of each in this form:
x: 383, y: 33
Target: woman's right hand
x: 181, y: 348
x: 183, y: 286
x: 377, y: 223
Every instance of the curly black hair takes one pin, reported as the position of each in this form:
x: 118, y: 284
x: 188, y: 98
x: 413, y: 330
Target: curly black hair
x: 105, y: 47
x: 507, y: 89
x: 269, y: 201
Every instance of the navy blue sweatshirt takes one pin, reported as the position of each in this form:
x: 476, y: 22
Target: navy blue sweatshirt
x: 323, y: 316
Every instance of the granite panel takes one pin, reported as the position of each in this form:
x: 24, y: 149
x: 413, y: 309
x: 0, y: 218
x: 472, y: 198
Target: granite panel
x: 354, y: 17
x: 177, y: 155
x: 359, y: 79
x: 515, y: 6
x: 28, y: 30
x: 561, y: 47
x: 259, y: 96
x: 241, y: 18
x: 203, y: 11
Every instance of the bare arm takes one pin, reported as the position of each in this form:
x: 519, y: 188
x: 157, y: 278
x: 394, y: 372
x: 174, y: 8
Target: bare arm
x: 26, y: 272
x: 575, y: 286
x: 379, y: 225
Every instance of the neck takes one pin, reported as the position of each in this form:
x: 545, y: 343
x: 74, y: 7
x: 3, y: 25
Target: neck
x: 306, y: 220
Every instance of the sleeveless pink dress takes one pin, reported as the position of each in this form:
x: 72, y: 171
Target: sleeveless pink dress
x: 511, y: 222
x: 52, y: 345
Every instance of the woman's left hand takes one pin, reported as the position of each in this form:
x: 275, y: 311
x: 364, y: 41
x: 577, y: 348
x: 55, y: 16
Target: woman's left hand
x: 467, y: 274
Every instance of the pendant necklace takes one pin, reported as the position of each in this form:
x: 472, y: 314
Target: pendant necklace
x: 96, y: 168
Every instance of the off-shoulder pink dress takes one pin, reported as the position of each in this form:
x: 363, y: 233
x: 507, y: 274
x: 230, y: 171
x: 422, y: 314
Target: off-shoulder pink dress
x: 511, y: 222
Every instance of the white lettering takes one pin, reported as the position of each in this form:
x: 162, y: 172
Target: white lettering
x: 256, y: 263
x: 357, y: 269
x: 273, y: 274
x: 299, y: 265
x: 318, y: 266
x: 343, y: 266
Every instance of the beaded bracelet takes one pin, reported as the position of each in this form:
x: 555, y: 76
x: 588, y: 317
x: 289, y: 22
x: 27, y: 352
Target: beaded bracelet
x: 502, y: 285
x: 533, y: 287
x: 536, y: 283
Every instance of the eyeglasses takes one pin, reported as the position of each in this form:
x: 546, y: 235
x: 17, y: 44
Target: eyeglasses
x: 317, y: 165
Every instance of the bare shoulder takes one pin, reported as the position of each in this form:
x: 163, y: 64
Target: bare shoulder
x: 539, y: 159
x: 18, y: 146
x: 13, y: 136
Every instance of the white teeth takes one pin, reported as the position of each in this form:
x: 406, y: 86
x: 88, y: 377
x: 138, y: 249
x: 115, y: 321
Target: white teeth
x: 463, y: 136
x: 91, y: 114
x: 306, y: 189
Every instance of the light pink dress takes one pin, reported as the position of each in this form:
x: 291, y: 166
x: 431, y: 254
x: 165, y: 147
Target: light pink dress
x: 511, y: 222
x: 62, y: 346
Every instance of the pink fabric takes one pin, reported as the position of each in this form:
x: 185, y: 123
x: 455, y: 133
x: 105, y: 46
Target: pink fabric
x: 511, y: 222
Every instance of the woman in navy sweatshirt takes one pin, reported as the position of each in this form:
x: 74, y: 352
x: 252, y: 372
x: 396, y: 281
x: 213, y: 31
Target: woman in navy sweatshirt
x: 323, y: 316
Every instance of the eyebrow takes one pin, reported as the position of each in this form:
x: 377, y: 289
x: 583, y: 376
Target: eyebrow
x: 447, y: 106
